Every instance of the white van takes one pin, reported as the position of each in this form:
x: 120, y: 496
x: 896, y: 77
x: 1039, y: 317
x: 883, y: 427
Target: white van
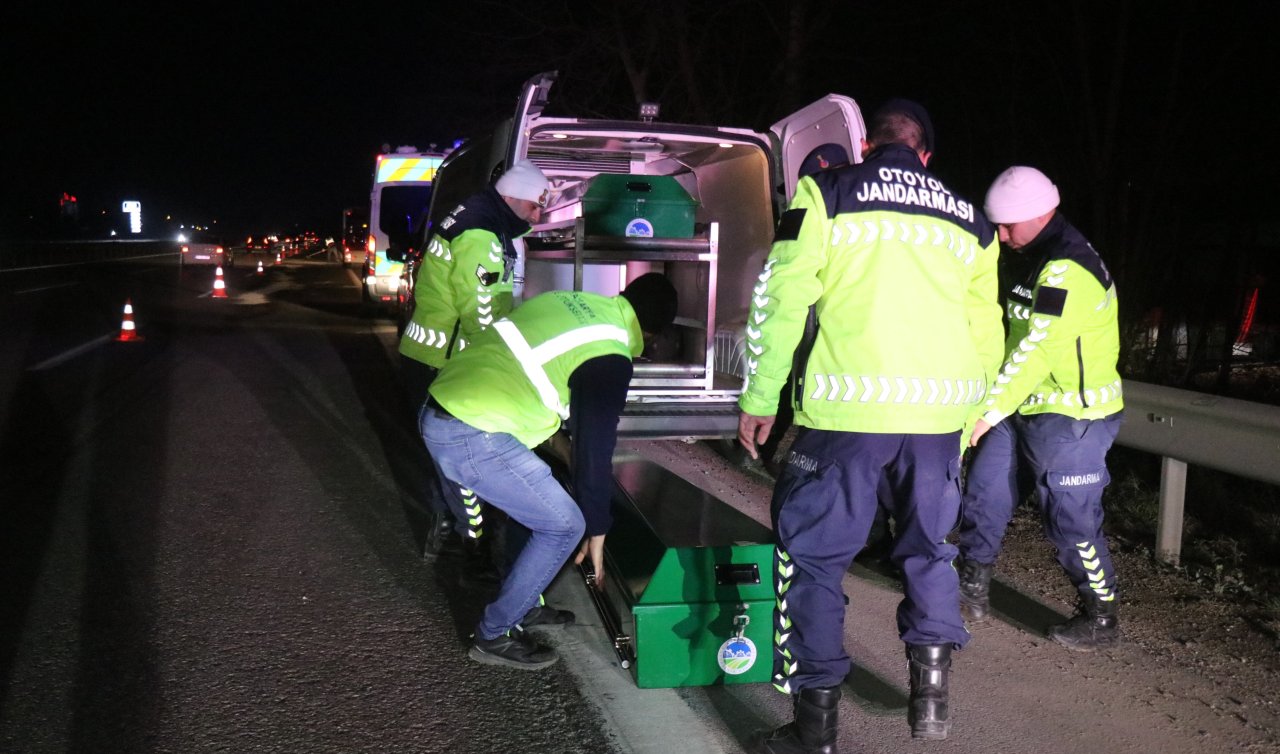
x: 400, y: 196
x: 698, y: 203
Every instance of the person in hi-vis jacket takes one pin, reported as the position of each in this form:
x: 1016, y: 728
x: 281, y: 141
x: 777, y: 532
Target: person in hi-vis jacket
x: 464, y: 284
x: 562, y: 357
x: 901, y: 274
x: 1052, y: 413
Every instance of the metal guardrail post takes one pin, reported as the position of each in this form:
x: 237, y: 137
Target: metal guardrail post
x: 1184, y: 427
x: 1173, y: 495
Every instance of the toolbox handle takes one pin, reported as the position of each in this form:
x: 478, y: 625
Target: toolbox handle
x: 736, y: 574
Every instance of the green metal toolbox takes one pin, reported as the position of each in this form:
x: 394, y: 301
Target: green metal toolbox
x: 638, y: 206
x: 689, y: 588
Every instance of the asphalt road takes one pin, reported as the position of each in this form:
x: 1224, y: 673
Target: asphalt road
x: 210, y: 544
x: 210, y: 536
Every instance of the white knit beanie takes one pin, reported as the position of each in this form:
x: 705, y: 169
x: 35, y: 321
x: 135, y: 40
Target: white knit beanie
x: 524, y: 181
x: 1019, y: 194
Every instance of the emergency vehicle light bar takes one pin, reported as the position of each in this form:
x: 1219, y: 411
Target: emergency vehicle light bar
x: 401, y: 169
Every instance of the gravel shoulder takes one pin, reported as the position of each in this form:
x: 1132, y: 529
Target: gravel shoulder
x: 1170, y: 623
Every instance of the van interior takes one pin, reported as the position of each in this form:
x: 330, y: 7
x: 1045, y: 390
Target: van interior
x: 696, y: 207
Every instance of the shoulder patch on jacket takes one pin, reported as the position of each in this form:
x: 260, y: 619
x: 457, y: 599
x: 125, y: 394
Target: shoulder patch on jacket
x: 1051, y: 301
x: 789, y: 225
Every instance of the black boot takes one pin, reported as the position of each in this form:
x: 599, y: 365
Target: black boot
x: 441, y: 537
x: 814, y: 730
x: 479, y: 571
x: 1095, y: 625
x: 975, y: 589
x: 928, y: 666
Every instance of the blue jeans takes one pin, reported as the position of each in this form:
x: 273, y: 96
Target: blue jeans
x: 500, y: 469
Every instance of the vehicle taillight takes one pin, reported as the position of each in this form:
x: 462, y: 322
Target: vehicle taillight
x: 218, y: 250
x: 372, y: 245
x: 185, y: 249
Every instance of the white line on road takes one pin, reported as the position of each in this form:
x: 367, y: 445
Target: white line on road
x: 71, y: 354
x: 47, y: 288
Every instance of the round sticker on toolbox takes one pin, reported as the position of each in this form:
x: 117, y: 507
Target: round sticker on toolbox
x: 737, y: 655
x: 639, y: 228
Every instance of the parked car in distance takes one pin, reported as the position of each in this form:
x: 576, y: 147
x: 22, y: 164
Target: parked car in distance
x: 355, y: 234
x: 204, y: 249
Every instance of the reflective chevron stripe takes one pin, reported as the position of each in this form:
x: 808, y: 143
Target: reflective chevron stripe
x: 1093, y: 398
x: 1093, y: 571
x: 1038, y: 332
x: 784, y: 572
x: 849, y: 388
x: 757, y: 317
x: 852, y: 232
x: 475, y: 521
x: 437, y: 249
x: 484, y: 308
x: 426, y: 336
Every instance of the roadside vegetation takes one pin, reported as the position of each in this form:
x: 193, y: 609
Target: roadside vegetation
x: 1231, y: 531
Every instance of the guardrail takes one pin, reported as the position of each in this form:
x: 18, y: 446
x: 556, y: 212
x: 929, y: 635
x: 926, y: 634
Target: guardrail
x: 1182, y: 427
x: 19, y: 255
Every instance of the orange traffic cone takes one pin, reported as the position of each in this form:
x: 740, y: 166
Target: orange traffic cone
x: 219, y: 287
x: 278, y: 260
x: 127, y: 330
x: 259, y: 266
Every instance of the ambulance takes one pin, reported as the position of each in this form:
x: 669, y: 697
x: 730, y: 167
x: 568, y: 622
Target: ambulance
x: 402, y: 182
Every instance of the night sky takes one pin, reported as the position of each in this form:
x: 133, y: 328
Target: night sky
x: 269, y: 119
x: 263, y: 120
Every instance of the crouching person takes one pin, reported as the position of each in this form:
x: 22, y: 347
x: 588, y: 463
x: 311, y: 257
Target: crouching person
x: 559, y: 355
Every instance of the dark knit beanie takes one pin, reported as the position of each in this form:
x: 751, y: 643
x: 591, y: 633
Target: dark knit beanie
x: 654, y: 299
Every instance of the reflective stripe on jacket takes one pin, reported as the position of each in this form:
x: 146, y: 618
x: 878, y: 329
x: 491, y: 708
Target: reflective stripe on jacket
x: 514, y: 377
x: 1064, y: 333
x: 902, y: 277
x: 465, y: 278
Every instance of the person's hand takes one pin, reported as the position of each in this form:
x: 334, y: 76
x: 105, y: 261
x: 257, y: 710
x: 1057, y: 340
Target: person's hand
x: 753, y: 430
x: 593, y: 546
x: 979, y: 430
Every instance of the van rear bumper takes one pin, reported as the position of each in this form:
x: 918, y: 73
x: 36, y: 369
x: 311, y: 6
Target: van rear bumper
x: 679, y: 420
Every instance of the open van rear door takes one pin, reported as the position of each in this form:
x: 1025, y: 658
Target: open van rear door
x: 533, y: 98
x: 834, y: 119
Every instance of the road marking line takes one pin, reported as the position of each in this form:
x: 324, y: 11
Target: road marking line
x: 47, y: 288
x: 71, y: 354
